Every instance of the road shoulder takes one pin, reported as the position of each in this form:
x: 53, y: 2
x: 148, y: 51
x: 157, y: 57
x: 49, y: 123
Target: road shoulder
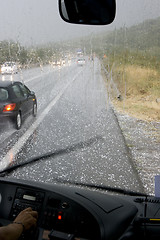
x: 143, y: 141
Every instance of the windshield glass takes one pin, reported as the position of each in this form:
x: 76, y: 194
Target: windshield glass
x: 94, y: 99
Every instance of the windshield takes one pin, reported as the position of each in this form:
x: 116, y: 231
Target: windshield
x: 100, y: 116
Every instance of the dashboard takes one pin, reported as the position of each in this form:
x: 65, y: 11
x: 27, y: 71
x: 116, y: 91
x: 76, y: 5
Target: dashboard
x: 68, y: 212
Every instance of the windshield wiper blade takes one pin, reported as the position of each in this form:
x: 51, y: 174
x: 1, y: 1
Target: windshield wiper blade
x: 103, y: 187
x: 67, y: 150
x: 62, y: 151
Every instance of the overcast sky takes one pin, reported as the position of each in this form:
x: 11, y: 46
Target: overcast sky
x: 38, y: 21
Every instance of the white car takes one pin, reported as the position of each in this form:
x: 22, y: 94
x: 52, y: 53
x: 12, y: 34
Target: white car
x: 81, y: 61
x: 9, y: 68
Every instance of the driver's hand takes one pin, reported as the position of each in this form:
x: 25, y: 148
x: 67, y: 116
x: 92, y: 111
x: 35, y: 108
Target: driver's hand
x: 27, y: 217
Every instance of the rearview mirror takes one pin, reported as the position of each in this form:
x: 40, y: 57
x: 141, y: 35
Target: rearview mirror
x: 92, y: 12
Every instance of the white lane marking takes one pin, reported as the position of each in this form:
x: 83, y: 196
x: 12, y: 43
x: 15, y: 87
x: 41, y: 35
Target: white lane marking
x: 42, y: 74
x: 38, y: 76
x: 33, y: 78
x: 9, y: 157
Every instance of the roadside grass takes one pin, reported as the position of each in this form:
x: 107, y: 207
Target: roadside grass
x: 149, y: 111
x: 142, y: 81
x: 139, y: 86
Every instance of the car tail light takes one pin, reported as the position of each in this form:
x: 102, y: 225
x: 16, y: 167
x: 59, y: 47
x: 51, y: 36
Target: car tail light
x: 9, y: 107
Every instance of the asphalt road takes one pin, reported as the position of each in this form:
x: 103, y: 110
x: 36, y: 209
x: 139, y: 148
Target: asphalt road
x: 73, y: 112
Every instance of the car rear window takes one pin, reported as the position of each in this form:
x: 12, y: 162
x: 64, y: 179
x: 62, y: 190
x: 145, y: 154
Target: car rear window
x: 3, y: 94
x: 17, y: 91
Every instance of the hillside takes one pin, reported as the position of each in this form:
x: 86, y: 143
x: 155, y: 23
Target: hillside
x: 141, y: 36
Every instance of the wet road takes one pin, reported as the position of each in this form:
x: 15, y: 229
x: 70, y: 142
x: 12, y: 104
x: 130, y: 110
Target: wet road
x: 73, y: 111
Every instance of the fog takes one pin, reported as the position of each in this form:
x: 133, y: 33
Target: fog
x: 34, y: 22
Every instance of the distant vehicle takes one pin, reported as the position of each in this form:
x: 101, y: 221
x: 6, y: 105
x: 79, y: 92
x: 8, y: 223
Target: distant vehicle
x: 53, y: 63
x: 9, y: 68
x: 79, y: 53
x: 63, y: 62
x: 81, y: 61
x: 16, y: 102
x: 56, y: 63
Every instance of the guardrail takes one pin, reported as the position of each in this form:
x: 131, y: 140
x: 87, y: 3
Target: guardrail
x: 111, y: 85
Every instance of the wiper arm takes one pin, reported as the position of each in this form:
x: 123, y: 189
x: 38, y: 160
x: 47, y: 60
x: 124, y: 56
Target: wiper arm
x: 103, y: 187
x: 62, y: 151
